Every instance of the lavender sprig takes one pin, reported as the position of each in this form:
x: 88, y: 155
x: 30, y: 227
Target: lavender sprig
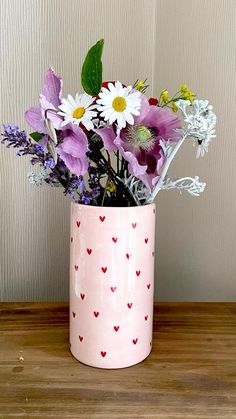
x: 14, y: 136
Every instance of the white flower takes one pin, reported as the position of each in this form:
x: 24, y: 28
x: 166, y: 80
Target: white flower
x: 201, y: 121
x: 99, y: 124
x: 78, y: 111
x: 37, y: 179
x: 118, y: 103
x: 203, y: 147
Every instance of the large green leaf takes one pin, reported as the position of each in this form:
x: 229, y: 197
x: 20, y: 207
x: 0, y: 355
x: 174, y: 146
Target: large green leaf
x: 91, y: 74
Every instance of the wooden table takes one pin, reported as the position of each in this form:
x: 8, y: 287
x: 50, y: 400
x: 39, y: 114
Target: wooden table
x: 191, y: 372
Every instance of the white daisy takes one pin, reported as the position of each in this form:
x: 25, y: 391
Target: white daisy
x: 78, y: 110
x: 118, y: 103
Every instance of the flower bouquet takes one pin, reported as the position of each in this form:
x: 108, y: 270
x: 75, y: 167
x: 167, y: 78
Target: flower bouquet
x: 110, y: 149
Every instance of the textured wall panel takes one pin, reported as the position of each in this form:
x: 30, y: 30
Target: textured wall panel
x: 170, y: 42
x: 196, y: 44
x: 34, y: 35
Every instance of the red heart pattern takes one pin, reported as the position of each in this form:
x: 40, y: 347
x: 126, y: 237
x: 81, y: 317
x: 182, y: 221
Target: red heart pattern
x: 111, y: 257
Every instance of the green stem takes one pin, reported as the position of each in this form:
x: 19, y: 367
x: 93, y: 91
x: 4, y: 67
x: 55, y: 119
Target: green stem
x: 106, y: 166
x: 105, y: 192
x: 117, y: 162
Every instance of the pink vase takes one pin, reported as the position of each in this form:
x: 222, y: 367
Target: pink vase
x: 111, y: 284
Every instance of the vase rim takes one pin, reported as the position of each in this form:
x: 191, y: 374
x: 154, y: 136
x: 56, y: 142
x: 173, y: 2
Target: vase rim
x: 93, y: 207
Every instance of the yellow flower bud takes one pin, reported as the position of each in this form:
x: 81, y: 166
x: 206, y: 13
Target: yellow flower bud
x: 139, y: 84
x: 111, y: 187
x: 165, y: 96
x: 174, y: 107
x: 191, y: 96
x: 183, y: 88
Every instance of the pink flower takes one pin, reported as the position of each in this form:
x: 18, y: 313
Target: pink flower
x: 139, y: 144
x: 49, y: 99
x: 73, y: 148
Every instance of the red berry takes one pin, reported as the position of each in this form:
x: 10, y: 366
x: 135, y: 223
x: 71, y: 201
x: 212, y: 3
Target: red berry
x: 153, y: 101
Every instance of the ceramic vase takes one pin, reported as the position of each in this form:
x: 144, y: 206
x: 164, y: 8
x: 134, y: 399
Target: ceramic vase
x: 111, y: 284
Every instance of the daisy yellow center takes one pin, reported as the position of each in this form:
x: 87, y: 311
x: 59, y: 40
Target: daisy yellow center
x: 78, y: 113
x: 119, y: 104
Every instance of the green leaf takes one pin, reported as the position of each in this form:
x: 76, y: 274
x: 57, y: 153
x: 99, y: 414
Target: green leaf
x: 36, y: 136
x: 91, y: 74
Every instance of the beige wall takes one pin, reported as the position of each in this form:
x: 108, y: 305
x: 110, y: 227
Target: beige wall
x: 170, y: 42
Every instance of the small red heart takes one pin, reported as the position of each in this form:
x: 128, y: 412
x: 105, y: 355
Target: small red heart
x: 129, y: 305
x: 146, y: 317
x: 134, y: 225
x: 114, y: 239
x: 128, y: 255
x: 82, y: 296
x: 104, y: 269
x: 113, y: 289
x: 76, y: 267
x: 102, y: 218
x: 89, y: 251
x: 78, y: 223
x: 152, y: 253
x: 81, y: 338
x: 116, y: 328
x: 146, y: 240
x: 148, y: 285
x: 71, y: 239
x: 138, y: 273
x: 135, y: 341
x: 96, y: 313
x: 73, y: 313
x: 103, y: 354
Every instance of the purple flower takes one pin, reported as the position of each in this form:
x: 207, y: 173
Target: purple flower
x: 14, y: 136
x: 49, y: 101
x: 49, y: 163
x: 139, y: 143
x: 85, y: 199
x: 73, y: 148
x: 75, y: 187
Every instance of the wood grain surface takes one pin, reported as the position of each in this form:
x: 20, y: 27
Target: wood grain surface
x: 191, y: 372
